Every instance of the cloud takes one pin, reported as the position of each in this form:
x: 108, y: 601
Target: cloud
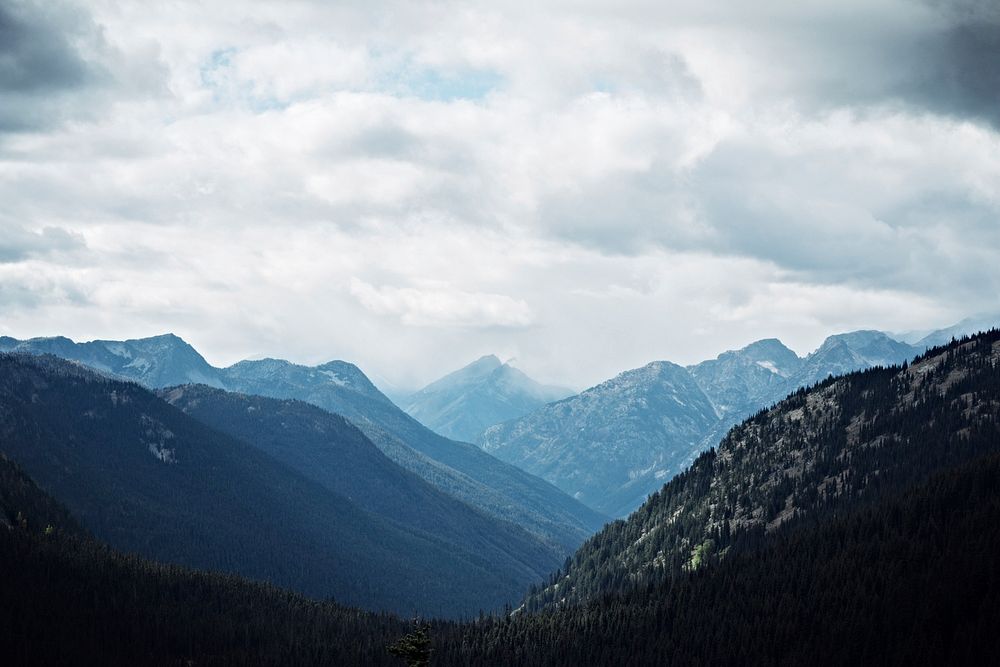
x: 440, y: 305
x: 585, y: 186
x: 55, y: 65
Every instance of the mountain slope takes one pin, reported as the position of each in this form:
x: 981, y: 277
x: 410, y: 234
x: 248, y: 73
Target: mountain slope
x: 462, y: 404
x: 497, y: 488
x: 908, y: 580
x: 330, y: 450
x: 852, y: 438
x: 648, y: 421
x: 69, y: 600
x: 146, y: 478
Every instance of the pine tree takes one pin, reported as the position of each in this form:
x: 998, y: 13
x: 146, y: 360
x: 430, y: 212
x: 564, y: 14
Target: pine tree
x: 414, y: 647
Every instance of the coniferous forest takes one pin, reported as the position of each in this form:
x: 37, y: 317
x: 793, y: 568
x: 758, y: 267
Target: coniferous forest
x: 895, y: 562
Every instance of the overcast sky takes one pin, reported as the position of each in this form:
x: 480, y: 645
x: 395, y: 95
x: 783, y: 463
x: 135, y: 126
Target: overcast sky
x: 585, y: 186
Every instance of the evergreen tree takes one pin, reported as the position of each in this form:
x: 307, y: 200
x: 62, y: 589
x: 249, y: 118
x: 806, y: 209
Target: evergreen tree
x: 415, y: 646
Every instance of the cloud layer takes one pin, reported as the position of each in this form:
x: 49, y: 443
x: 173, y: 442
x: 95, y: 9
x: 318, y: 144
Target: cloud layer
x: 585, y: 186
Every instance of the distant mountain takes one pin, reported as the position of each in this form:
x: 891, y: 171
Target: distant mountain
x: 328, y: 449
x: 848, y: 352
x: 462, y: 404
x: 969, y: 325
x: 644, y: 422
x: 147, y: 478
x: 738, y: 382
x: 463, y: 470
x: 850, y: 440
x: 159, y: 361
x: 636, y: 455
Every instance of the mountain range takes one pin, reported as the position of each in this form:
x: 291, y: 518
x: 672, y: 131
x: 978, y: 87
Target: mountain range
x: 277, y: 491
x: 875, y: 492
x: 617, y: 442
x: 848, y: 441
x: 608, y: 447
x: 462, y: 470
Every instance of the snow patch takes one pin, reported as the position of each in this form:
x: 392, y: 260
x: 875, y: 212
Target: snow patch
x: 336, y: 379
x: 769, y: 366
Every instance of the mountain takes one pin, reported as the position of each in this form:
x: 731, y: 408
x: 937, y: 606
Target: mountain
x: 848, y: 352
x: 914, y: 563
x: 328, y: 449
x: 849, y: 440
x: 146, y: 478
x: 644, y: 422
x: 463, y: 470
x: 613, y: 439
x: 159, y: 361
x: 67, y: 599
x: 500, y: 490
x: 739, y: 382
x: 462, y: 404
x: 968, y: 326
x: 906, y: 580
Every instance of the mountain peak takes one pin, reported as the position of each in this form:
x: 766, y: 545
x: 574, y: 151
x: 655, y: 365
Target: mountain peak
x: 462, y: 404
x: 769, y: 348
x: 861, y: 335
x: 487, y: 360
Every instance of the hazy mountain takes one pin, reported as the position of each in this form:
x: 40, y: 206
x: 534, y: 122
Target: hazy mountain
x: 644, y: 422
x: 147, y: 478
x: 969, y: 325
x: 159, y: 361
x: 462, y: 470
x: 849, y: 440
x: 462, y: 404
x: 333, y: 452
x: 848, y: 352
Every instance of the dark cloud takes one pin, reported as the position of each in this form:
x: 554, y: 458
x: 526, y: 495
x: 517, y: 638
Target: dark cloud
x: 35, y: 56
x: 55, y: 65
x: 40, y: 65
x: 939, y: 57
x: 962, y: 74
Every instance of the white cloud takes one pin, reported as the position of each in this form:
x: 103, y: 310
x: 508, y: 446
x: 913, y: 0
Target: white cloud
x: 585, y: 186
x: 442, y: 306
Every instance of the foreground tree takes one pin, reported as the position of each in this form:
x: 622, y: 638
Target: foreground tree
x: 414, y: 647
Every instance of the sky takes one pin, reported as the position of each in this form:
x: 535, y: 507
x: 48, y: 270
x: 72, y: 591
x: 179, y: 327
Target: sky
x: 581, y: 186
